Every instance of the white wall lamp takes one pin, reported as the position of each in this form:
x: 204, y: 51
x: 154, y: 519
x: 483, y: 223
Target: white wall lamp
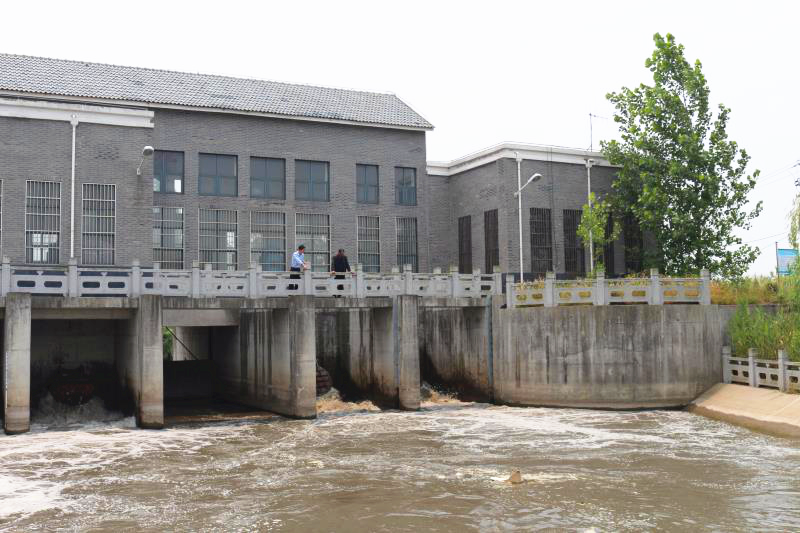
x: 146, y: 152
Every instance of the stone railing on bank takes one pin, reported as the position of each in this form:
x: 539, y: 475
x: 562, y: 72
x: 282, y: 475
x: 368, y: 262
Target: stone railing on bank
x: 74, y: 281
x: 779, y: 373
x: 654, y: 290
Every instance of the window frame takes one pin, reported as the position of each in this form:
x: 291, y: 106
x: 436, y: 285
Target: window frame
x: 159, y: 250
x: 266, y: 180
x: 401, y: 189
x: 415, y: 242
x: 158, y: 177
x: 255, y: 254
x: 371, y: 266
x: 465, y: 244
x: 310, y: 182
x: 491, y: 240
x: 234, y: 265
x: 217, y: 178
x: 574, y: 249
x: 32, y: 248
x: 541, y: 240
x: 366, y: 187
x: 311, y: 252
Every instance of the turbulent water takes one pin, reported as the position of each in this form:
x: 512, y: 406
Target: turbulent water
x: 441, y: 469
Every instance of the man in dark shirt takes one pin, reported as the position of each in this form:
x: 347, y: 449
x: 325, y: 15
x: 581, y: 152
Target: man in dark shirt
x: 339, y: 265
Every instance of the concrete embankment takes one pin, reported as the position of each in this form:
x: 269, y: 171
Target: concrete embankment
x: 766, y: 410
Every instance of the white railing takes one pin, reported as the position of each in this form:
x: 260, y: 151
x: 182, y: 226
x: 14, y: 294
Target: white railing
x: 779, y: 373
x: 77, y: 281
x: 654, y: 290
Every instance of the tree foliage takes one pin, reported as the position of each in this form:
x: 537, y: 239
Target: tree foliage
x: 794, y: 223
x: 594, y: 219
x: 680, y: 175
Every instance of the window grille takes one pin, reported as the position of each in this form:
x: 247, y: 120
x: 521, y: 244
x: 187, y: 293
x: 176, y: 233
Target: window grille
x: 407, y: 242
x: 268, y: 240
x: 491, y: 240
x: 219, y: 238
x: 367, y: 184
x: 168, y: 237
x: 267, y: 178
x: 405, y: 185
x: 608, y: 249
x: 99, y: 221
x: 42, y: 221
x: 218, y: 175
x: 312, y: 181
x: 465, y: 245
x: 314, y: 231
x: 369, y: 243
x: 634, y: 244
x: 168, y: 171
x: 541, y: 242
x: 574, y: 253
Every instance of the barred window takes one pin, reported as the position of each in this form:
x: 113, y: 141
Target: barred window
x: 219, y: 238
x: 168, y: 243
x: 608, y: 249
x: 268, y: 240
x: 574, y: 252
x: 267, y: 178
x: 218, y: 175
x: 491, y: 240
x: 98, y: 225
x: 312, y: 181
x: 541, y: 242
x: 42, y: 221
x: 369, y: 243
x: 465, y: 244
x: 405, y: 185
x: 315, y: 232
x: 407, y: 242
x: 367, y: 184
x: 634, y: 244
x: 168, y: 171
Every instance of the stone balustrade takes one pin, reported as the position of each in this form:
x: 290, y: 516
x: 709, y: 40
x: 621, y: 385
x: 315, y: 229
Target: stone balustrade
x: 779, y: 373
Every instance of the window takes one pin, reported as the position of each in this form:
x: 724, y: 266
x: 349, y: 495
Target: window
x: 98, y: 225
x: 312, y: 181
x: 491, y: 240
x: 405, y: 185
x: 407, y: 242
x: 574, y: 253
x: 541, y: 242
x: 634, y: 244
x: 267, y: 178
x: 367, y: 184
x: 1, y: 209
x: 218, y: 176
x: 218, y: 238
x: 608, y: 249
x: 168, y: 237
x: 168, y: 171
x: 369, y: 243
x: 315, y: 232
x: 42, y: 221
x: 268, y: 240
x: 465, y: 245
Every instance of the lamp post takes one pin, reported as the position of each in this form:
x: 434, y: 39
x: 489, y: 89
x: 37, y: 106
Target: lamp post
x: 518, y: 194
x: 589, y: 163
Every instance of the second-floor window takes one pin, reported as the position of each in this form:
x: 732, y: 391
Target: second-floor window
x: 312, y: 181
x: 168, y: 171
x: 405, y: 185
x: 218, y: 176
x: 367, y: 184
x: 267, y: 178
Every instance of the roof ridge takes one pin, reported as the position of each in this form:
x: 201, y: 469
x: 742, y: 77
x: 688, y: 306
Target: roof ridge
x: 222, y: 76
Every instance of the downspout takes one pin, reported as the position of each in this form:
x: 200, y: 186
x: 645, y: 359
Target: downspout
x: 74, y: 122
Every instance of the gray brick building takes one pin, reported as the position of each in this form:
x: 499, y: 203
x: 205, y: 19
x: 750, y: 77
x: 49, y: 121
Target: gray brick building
x: 245, y: 170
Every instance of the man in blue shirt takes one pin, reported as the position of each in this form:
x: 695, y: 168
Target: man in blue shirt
x: 297, y: 264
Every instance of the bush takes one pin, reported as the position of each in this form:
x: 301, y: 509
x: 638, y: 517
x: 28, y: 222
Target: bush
x: 766, y: 332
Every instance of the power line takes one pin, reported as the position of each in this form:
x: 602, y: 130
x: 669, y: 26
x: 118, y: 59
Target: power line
x: 767, y: 237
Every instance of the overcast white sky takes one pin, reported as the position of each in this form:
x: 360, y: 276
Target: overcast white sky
x: 481, y: 72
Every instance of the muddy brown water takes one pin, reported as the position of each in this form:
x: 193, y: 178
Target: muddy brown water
x: 440, y: 469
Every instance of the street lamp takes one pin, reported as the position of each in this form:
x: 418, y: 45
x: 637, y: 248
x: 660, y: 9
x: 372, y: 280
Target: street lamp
x: 589, y: 163
x: 518, y: 194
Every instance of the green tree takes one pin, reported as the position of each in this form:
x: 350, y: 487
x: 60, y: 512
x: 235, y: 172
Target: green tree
x: 594, y: 220
x: 679, y: 175
x: 794, y: 223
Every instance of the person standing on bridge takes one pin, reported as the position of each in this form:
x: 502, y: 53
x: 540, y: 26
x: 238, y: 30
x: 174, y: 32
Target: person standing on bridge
x: 298, y: 264
x: 339, y: 266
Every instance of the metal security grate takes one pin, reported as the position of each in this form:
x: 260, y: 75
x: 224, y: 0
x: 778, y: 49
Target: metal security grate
x: 268, y: 240
x: 634, y: 244
x: 574, y: 253
x: 465, y: 245
x: 541, y: 242
x: 98, y: 224
x: 42, y: 221
x: 219, y: 238
x: 608, y: 249
x: 491, y: 240
x: 168, y: 241
x: 407, y: 242
x: 314, y: 231
x: 369, y: 243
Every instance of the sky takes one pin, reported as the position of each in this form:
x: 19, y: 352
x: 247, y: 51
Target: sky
x: 481, y: 72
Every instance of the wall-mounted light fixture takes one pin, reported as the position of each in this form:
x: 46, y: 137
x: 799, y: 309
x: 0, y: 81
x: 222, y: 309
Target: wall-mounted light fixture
x: 146, y: 152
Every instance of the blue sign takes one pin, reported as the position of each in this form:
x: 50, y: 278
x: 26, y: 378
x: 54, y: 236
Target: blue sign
x: 786, y: 257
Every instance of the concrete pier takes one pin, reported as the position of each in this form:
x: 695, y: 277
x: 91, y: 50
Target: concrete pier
x: 190, y: 343
x: 140, y: 361
x: 17, y: 363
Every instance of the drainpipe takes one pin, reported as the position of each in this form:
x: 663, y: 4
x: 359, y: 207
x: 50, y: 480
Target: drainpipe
x: 74, y: 122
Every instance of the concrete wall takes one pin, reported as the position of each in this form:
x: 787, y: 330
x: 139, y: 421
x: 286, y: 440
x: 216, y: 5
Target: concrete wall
x: 607, y: 357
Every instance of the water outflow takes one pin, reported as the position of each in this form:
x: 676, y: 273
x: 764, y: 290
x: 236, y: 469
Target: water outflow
x: 445, y: 467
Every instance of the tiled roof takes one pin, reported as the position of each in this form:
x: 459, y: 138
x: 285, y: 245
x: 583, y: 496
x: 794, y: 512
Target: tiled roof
x: 149, y: 86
